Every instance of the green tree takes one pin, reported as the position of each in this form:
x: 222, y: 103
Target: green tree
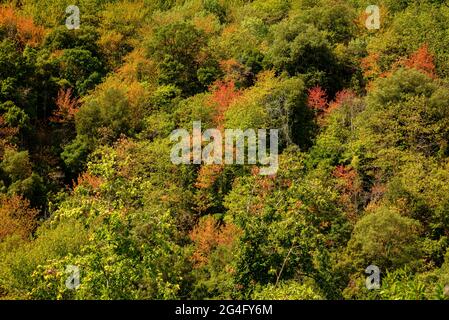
x: 386, y: 239
x: 178, y: 48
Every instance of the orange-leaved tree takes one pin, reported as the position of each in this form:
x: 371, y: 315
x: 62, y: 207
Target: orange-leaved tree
x: 20, y: 28
x: 208, y: 235
x: 67, y: 107
x: 422, y: 60
x: 17, y: 217
x: 317, y: 99
x: 223, y: 94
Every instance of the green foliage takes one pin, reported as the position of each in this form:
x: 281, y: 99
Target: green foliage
x: 52, y: 13
x: 284, y: 232
x: 274, y: 103
x: 407, y: 111
x: 19, y: 259
x: 333, y: 17
x: 18, y: 177
x: 386, y: 239
x: 177, y: 47
x: 75, y: 154
x: 419, y: 189
x: 269, y: 11
x: 402, y: 285
x: 14, y: 116
x: 16, y: 165
x: 119, y: 262
x: 13, y: 70
x: 165, y: 97
x: 420, y: 23
x: 289, y: 290
x: 79, y: 69
x: 85, y: 123
x: 106, y: 115
x: 214, y: 7
x: 300, y: 48
x: 61, y: 38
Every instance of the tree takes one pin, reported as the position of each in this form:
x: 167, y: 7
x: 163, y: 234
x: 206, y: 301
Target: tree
x: 408, y: 31
x: 12, y: 70
x: 317, y: 99
x: 180, y: 51
x: 214, y: 242
x: 16, y: 164
x: 80, y: 69
x: 222, y: 97
x: 300, y: 48
x: 119, y: 25
x: 334, y: 18
x: 386, y: 239
x: 274, y: 103
x: 20, y: 28
x: 67, y: 107
x: 286, y: 233
x: 109, y: 109
x: 17, y: 217
x: 422, y: 60
x: 407, y: 110
x: 21, y: 260
x: 14, y: 116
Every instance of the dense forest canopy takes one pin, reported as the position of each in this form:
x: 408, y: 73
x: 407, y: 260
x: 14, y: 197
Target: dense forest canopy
x: 86, y: 181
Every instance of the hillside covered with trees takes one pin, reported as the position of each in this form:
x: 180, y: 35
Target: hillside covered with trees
x: 86, y: 179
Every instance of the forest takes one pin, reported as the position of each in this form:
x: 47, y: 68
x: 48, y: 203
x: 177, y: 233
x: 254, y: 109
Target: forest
x: 92, y: 207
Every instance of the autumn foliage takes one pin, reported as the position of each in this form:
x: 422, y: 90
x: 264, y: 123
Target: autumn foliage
x: 67, y: 107
x: 208, y: 235
x: 208, y: 175
x: 95, y: 123
x: 317, y: 99
x: 6, y: 132
x: 349, y: 186
x: 88, y: 180
x: 422, y: 60
x: 223, y: 95
x: 20, y: 28
x: 342, y: 97
x: 16, y: 217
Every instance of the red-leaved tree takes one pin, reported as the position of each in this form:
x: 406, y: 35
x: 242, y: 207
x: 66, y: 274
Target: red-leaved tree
x: 422, y: 60
x: 67, y: 107
x: 317, y: 99
x: 223, y: 94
